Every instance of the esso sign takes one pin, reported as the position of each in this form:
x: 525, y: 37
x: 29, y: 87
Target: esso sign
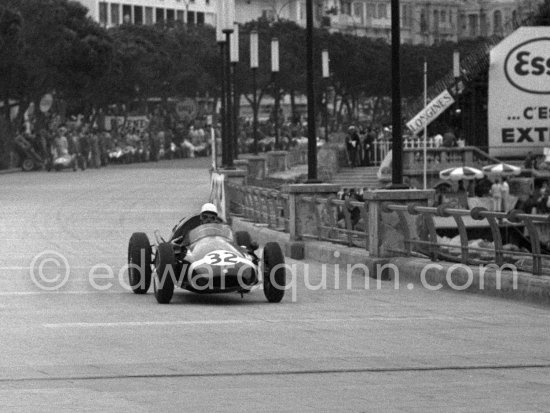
x: 527, y: 66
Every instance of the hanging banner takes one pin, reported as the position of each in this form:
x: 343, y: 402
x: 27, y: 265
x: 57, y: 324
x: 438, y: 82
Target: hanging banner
x: 519, y: 93
x: 435, y: 108
x: 217, y: 194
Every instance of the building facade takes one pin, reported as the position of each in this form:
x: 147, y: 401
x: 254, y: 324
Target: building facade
x: 422, y: 21
x: 112, y: 13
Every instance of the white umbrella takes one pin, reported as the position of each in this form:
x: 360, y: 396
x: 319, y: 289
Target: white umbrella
x: 460, y: 173
x: 501, y: 169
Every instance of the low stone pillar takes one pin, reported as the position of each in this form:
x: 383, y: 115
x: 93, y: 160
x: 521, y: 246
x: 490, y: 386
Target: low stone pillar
x: 385, y: 233
x: 277, y: 161
x: 256, y: 167
x: 232, y: 199
x: 302, y: 214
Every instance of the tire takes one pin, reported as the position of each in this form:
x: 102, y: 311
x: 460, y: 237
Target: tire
x: 28, y: 165
x: 242, y: 238
x: 165, y: 264
x: 139, y: 255
x: 274, y: 281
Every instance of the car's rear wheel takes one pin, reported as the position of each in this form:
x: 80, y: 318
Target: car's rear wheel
x: 165, y: 263
x: 242, y: 238
x: 274, y: 272
x: 139, y: 263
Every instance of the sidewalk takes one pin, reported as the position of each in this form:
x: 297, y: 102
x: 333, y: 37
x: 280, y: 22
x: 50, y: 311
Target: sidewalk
x: 412, y: 271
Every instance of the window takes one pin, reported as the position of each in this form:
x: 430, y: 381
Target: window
x: 358, y: 11
x: 170, y: 15
x: 138, y: 15
x: 497, y: 22
x: 436, y: 20
x: 103, y: 13
x: 115, y: 13
x: 423, y: 22
x: 127, y: 14
x: 346, y: 8
x: 191, y: 17
x: 159, y: 15
x: 268, y: 14
x: 148, y: 15
x: 443, y: 17
x: 382, y: 11
x: 371, y: 11
x: 200, y: 17
x: 179, y: 15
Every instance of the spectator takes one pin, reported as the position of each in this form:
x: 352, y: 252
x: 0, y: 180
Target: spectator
x: 529, y: 162
x: 462, y: 195
x: 449, y: 139
x: 496, y: 194
x: 505, y: 193
x: 352, y: 143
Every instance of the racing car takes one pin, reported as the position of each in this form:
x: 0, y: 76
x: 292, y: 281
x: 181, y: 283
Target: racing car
x: 208, y: 258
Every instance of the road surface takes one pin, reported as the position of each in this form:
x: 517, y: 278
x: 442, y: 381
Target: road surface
x: 90, y: 345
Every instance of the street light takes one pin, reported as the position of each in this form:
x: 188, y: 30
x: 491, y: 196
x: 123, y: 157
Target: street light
x: 274, y: 72
x: 397, y: 139
x: 326, y: 74
x: 228, y: 22
x: 220, y: 39
x: 311, y: 138
x: 234, y: 60
x: 254, y: 67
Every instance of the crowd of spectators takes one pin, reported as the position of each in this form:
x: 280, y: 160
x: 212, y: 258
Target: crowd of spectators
x: 89, y: 145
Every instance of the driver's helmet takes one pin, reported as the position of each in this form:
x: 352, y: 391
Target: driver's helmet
x: 209, y: 213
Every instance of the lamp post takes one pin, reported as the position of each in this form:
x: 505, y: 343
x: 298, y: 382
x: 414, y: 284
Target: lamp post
x: 326, y: 74
x: 234, y: 61
x: 254, y: 66
x: 274, y: 72
x: 220, y: 38
x: 397, y: 139
x: 229, y: 18
x: 312, y: 139
x: 456, y: 75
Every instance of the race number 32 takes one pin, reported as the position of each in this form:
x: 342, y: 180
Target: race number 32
x: 221, y: 258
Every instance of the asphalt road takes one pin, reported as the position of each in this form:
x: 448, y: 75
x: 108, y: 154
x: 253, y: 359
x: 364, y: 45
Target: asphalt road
x: 91, y: 345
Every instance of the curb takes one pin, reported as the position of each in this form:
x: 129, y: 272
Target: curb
x: 410, y: 270
x: 9, y: 171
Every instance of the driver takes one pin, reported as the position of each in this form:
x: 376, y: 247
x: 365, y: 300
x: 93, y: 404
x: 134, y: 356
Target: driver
x: 209, y: 214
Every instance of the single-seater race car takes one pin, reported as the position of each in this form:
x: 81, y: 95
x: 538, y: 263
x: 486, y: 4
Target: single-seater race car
x: 208, y: 258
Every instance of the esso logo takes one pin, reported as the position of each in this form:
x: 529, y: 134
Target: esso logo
x: 527, y: 66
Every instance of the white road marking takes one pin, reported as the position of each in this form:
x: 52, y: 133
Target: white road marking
x: 216, y: 322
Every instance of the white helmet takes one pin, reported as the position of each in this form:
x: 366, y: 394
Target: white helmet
x: 209, y: 207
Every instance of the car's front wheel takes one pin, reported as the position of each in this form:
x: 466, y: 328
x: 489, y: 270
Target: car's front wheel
x: 165, y: 264
x: 274, y: 272
x: 139, y: 263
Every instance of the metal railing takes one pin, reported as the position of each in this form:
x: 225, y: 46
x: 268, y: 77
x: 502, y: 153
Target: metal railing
x: 475, y: 255
x: 347, y: 222
x: 336, y: 221
x: 262, y: 205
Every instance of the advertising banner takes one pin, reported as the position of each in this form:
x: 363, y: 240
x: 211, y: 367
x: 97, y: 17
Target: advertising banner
x: 435, y: 108
x: 139, y: 123
x: 519, y: 93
